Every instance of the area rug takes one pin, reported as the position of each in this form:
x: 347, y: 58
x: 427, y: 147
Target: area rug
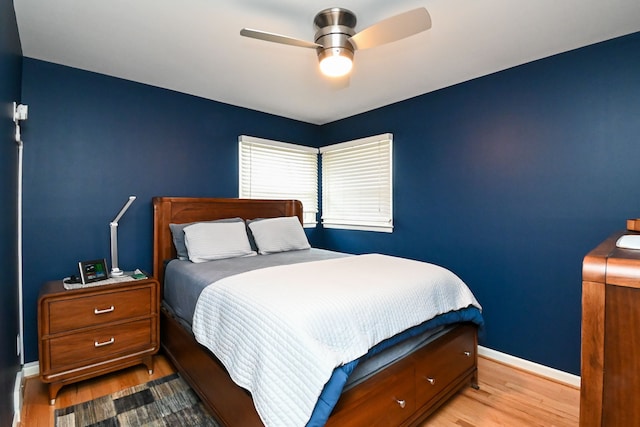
x: 167, y: 401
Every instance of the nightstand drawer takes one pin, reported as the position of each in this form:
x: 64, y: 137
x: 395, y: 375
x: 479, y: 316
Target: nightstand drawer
x: 75, y: 313
x: 99, y: 343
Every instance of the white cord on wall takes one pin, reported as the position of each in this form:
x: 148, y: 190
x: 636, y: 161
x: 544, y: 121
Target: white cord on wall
x: 20, y: 304
x: 20, y: 112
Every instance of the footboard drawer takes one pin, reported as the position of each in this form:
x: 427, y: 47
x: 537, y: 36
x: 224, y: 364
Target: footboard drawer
x: 385, y: 400
x: 438, y: 367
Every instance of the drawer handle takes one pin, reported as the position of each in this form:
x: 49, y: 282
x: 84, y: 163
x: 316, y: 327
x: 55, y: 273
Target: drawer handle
x: 401, y: 402
x: 102, y: 344
x: 467, y: 353
x: 106, y: 310
x: 431, y: 381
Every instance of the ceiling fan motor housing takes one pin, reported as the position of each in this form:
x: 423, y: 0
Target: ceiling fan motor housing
x: 334, y: 27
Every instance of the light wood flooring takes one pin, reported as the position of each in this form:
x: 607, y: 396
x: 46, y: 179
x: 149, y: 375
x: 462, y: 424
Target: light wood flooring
x: 507, y: 397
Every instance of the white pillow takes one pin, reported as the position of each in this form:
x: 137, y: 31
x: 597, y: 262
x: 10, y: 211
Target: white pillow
x: 207, y: 241
x: 177, y: 233
x: 279, y: 235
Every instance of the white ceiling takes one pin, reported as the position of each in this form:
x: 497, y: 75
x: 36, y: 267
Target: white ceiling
x: 194, y: 46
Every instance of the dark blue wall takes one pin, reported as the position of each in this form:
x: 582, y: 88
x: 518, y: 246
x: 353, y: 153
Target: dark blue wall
x: 509, y: 180
x: 93, y: 140
x: 10, y: 82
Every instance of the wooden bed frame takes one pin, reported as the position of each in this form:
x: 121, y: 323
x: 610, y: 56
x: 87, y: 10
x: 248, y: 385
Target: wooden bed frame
x: 403, y: 394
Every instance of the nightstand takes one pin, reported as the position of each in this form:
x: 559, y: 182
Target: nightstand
x: 83, y: 333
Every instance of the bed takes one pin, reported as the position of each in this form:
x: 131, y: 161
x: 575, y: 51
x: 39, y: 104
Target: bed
x: 403, y: 392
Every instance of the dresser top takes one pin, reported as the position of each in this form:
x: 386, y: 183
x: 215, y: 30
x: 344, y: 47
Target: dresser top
x: 611, y: 265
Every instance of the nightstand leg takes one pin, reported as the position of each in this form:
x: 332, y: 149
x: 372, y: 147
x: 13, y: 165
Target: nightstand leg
x: 54, y: 388
x: 148, y: 362
x: 474, y: 381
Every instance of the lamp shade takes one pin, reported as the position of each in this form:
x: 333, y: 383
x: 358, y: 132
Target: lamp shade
x: 336, y: 62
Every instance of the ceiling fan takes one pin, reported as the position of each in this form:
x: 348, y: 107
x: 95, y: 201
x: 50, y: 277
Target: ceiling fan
x: 336, y: 39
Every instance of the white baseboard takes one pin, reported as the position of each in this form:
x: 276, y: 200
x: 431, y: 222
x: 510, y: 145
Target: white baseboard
x: 31, y: 369
x: 535, y: 368
x: 17, y: 398
x: 28, y: 370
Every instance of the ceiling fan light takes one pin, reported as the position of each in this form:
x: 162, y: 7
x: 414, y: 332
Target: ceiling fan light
x: 336, y: 62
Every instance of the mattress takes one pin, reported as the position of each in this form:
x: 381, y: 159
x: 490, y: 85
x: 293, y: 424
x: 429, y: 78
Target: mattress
x: 185, y: 280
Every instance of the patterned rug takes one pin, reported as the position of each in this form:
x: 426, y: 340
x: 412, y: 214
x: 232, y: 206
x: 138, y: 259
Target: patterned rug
x: 167, y: 401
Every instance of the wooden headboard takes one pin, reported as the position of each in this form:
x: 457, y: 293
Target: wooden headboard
x: 178, y: 210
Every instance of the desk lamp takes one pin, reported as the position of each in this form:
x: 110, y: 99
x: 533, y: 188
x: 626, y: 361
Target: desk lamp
x: 113, y: 225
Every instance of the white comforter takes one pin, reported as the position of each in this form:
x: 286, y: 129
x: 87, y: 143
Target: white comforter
x: 281, y: 331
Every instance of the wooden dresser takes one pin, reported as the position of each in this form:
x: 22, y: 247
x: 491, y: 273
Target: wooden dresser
x: 87, y: 332
x: 610, y: 390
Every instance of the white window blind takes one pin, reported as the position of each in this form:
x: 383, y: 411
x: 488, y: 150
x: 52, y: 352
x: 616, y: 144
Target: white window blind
x: 279, y: 170
x: 357, y: 184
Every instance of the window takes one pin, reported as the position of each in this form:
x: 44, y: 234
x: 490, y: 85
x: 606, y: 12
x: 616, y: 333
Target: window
x: 279, y: 170
x: 357, y: 184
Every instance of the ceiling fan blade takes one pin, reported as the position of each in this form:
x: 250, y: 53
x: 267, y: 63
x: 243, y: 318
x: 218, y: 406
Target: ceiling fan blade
x: 277, y: 38
x: 392, y: 29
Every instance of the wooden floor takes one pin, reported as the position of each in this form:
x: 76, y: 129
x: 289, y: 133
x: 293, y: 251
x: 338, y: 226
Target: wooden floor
x: 507, y: 397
